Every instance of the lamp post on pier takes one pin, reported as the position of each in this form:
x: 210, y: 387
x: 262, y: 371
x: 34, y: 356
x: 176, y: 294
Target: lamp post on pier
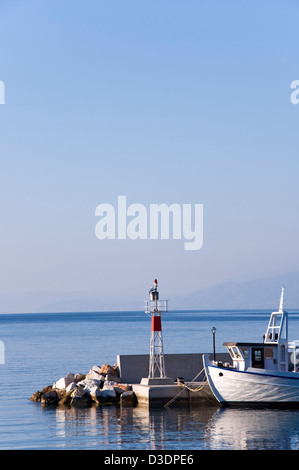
x: 214, y: 347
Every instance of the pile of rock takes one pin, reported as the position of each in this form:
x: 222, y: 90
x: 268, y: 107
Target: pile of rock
x: 100, y: 385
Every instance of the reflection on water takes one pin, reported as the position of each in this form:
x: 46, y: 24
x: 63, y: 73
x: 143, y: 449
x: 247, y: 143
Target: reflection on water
x: 205, y: 427
x: 254, y: 429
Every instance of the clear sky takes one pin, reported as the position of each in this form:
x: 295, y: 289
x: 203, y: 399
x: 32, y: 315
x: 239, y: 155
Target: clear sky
x: 164, y: 101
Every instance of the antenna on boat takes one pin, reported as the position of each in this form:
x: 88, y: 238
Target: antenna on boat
x: 281, y: 301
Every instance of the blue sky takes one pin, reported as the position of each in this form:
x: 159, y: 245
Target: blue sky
x: 162, y: 101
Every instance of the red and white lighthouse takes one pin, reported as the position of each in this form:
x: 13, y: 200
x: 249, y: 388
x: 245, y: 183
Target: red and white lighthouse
x: 154, y: 307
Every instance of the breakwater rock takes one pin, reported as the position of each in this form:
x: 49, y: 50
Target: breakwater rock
x: 100, y: 385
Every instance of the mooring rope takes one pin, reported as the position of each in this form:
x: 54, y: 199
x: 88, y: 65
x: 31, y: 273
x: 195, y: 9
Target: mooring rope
x: 184, y: 386
x: 194, y: 389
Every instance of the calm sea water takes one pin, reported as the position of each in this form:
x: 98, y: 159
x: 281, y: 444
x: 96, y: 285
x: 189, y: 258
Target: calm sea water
x: 41, y: 348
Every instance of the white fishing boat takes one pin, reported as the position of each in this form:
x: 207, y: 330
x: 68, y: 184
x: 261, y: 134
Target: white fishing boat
x: 259, y: 373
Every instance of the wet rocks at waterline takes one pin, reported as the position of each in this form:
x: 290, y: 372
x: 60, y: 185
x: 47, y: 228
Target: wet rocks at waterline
x: 101, y: 385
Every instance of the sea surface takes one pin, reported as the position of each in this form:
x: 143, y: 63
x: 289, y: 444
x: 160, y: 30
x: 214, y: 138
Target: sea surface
x: 41, y: 348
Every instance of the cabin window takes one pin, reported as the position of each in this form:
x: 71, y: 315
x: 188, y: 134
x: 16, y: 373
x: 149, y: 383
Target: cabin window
x: 245, y: 352
x: 236, y: 353
x: 231, y: 352
x: 268, y: 353
x: 258, y: 355
x: 258, y: 358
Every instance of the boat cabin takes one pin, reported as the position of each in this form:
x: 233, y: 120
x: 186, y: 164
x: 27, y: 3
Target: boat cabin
x: 256, y: 355
x: 275, y: 353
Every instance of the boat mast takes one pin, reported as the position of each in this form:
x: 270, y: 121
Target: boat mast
x: 277, y: 332
x: 281, y: 300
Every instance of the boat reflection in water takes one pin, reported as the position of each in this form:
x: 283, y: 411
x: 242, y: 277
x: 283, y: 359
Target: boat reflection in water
x: 254, y: 429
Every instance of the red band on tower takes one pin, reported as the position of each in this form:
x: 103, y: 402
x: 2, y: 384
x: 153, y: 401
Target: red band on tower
x: 156, y: 324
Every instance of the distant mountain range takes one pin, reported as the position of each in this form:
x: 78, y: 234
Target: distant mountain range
x: 256, y: 293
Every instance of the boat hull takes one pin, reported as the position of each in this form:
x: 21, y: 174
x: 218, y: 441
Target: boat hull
x: 254, y: 386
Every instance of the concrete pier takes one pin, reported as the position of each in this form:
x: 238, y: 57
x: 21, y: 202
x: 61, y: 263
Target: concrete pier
x: 165, y: 395
x: 188, y: 368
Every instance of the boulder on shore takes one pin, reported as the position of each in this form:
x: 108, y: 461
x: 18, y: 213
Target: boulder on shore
x: 62, y: 383
x: 128, y: 398
x: 107, y: 369
x: 50, y: 398
x: 100, y: 385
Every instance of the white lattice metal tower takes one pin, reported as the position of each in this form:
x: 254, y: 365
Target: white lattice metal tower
x: 154, y: 307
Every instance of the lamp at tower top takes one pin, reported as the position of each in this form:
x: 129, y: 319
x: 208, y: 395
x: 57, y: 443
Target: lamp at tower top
x: 154, y: 306
x: 153, y: 292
